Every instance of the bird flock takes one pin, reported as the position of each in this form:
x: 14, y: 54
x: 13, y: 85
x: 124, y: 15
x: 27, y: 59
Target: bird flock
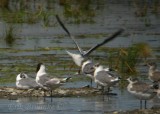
x: 99, y: 74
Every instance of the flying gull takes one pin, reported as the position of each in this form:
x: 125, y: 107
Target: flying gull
x: 80, y: 58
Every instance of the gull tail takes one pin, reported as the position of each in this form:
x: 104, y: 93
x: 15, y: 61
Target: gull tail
x: 63, y: 80
x: 70, y: 54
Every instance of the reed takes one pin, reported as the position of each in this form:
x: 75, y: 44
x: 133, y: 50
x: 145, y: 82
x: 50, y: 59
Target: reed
x: 125, y: 59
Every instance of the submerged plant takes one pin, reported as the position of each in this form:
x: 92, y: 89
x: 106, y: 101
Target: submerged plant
x: 10, y: 35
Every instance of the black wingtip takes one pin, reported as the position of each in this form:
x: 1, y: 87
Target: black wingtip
x: 120, y: 31
x: 113, y: 36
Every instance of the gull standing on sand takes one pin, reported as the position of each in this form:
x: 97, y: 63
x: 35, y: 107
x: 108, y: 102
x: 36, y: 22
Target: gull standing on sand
x: 24, y: 82
x: 141, y: 90
x: 43, y: 80
x: 154, y: 73
x: 104, y: 78
x: 81, y: 59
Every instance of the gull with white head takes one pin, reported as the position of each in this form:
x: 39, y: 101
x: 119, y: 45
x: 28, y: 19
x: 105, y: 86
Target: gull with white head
x: 154, y: 73
x: 141, y: 90
x: 104, y: 78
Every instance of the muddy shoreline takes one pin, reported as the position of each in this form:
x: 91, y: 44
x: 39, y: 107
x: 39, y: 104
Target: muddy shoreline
x: 13, y: 92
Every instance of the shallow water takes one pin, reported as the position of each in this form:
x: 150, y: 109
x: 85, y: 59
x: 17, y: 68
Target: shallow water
x: 74, y: 105
x: 109, y: 17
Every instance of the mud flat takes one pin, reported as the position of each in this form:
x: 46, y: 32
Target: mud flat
x: 13, y: 92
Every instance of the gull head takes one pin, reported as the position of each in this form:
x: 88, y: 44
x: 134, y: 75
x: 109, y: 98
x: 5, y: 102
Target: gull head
x: 77, y: 58
x: 132, y: 80
x: 40, y: 67
x: 21, y: 76
x: 152, y: 65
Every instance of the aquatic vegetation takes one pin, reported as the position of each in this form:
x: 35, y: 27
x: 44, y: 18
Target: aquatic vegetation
x: 144, y: 50
x: 81, y: 11
x: 10, y: 35
x: 12, y: 16
x: 141, y: 8
x: 126, y: 59
x: 147, y: 22
x: 4, y: 4
x: 27, y: 16
x: 155, y: 7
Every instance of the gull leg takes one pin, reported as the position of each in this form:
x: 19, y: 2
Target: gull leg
x: 108, y: 89
x: 145, y: 104
x: 140, y: 104
x: 97, y: 86
x: 44, y: 95
x: 103, y: 92
x: 91, y: 82
x: 108, y: 92
x: 51, y: 96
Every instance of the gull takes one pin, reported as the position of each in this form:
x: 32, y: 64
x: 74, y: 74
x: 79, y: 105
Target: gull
x: 81, y: 58
x: 154, y: 73
x: 88, y: 52
x: 158, y: 93
x: 104, y: 78
x: 141, y: 90
x: 47, y: 83
x: 24, y: 82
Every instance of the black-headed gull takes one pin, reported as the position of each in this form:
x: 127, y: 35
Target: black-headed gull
x: 25, y: 82
x: 47, y: 83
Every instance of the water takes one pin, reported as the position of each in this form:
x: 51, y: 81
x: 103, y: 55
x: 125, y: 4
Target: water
x: 109, y: 17
x: 74, y: 105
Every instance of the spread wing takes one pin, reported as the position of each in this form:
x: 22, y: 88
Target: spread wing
x: 72, y: 37
x: 85, y: 54
x: 104, y: 42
